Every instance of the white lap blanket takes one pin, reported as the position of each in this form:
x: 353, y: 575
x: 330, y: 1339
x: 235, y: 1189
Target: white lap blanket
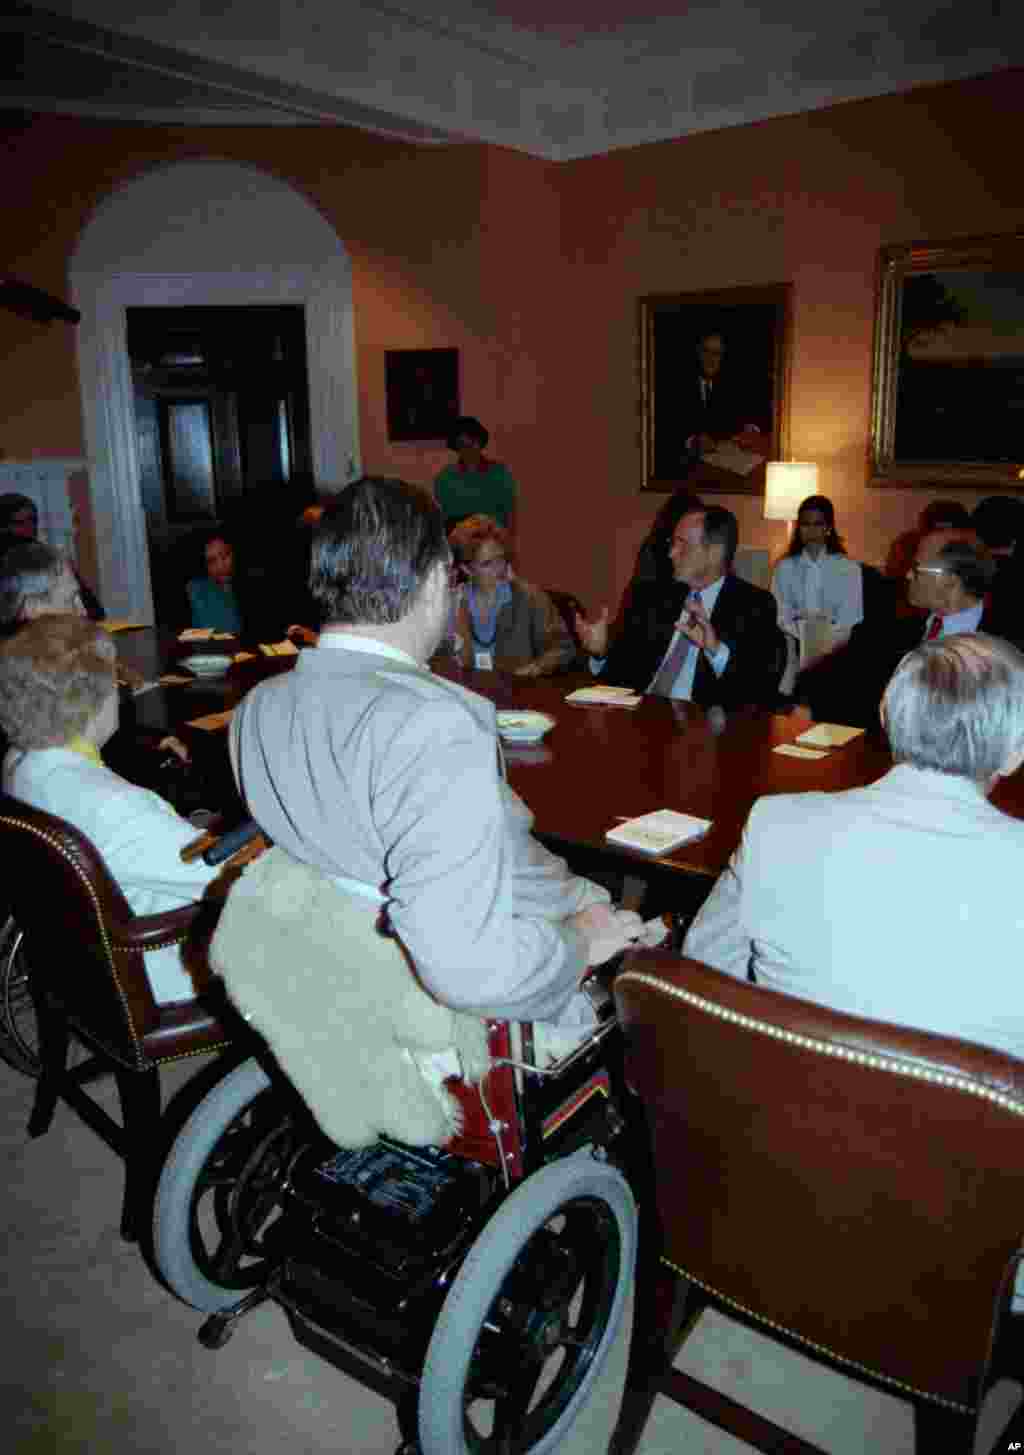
x: 340, y: 1006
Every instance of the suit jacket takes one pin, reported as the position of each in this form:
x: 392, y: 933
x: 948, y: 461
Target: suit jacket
x: 900, y: 902
x: 744, y: 617
x: 684, y: 413
x: 848, y: 686
x: 372, y: 768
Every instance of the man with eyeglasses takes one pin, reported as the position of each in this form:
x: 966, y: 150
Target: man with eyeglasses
x: 950, y: 579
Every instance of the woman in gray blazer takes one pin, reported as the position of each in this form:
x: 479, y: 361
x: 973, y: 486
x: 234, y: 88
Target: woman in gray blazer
x: 502, y: 623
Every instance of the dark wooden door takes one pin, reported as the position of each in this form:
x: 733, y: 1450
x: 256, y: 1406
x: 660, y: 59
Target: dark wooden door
x: 222, y: 416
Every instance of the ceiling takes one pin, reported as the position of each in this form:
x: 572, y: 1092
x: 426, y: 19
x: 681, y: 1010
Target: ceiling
x: 555, y: 78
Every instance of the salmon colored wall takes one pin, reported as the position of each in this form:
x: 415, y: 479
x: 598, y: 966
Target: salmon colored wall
x: 808, y: 200
x: 408, y: 217
x: 533, y: 270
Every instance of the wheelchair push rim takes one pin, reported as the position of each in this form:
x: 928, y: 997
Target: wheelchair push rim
x: 530, y: 1318
x: 19, y: 1029
x: 219, y: 1191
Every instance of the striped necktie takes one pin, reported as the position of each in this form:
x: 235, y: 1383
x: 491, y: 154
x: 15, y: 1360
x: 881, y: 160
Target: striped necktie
x: 672, y: 662
x: 934, y: 628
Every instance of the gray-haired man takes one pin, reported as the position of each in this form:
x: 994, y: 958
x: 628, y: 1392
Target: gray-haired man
x: 900, y: 901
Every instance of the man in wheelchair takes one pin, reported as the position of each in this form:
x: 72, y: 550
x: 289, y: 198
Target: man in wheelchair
x: 403, y: 863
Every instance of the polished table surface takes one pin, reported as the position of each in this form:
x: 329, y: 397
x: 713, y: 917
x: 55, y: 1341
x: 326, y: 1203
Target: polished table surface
x: 597, y: 765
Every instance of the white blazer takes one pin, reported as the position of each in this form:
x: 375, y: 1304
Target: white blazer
x: 903, y: 902
x: 138, y: 834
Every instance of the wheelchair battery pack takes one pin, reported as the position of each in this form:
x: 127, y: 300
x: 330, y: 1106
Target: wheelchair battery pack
x: 371, y: 1236
x: 393, y: 1210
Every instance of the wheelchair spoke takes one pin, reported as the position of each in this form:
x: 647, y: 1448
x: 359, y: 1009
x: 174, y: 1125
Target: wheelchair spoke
x: 511, y: 1410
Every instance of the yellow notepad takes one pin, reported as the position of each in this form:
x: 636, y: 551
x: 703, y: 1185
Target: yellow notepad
x: 113, y: 625
x: 603, y: 697
x: 828, y: 735
x: 212, y: 721
x: 279, y: 649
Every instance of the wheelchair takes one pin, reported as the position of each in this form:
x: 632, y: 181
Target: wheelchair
x: 480, y: 1284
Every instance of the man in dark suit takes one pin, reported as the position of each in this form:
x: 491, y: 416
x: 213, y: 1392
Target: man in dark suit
x: 951, y: 580
x: 702, y: 409
x: 708, y: 638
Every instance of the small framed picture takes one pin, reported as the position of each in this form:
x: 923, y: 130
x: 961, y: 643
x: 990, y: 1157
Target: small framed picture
x: 421, y: 388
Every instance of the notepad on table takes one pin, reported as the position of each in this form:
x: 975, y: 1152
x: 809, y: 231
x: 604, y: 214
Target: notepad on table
x: 790, y: 750
x: 828, y: 735
x: 604, y: 697
x: 659, y: 832
x: 113, y: 625
x: 279, y: 649
x: 212, y: 721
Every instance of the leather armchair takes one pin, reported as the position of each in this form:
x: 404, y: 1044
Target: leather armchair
x: 853, y: 1188
x: 88, y: 981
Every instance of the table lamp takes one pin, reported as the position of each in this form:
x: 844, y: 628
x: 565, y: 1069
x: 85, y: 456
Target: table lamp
x: 787, y: 483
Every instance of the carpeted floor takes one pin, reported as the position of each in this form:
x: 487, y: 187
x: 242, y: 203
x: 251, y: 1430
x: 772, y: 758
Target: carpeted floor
x: 99, y: 1357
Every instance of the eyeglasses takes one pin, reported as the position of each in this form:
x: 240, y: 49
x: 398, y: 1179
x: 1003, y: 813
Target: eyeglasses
x: 927, y: 571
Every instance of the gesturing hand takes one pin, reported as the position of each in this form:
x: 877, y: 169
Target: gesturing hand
x: 699, y: 629
x: 593, y: 634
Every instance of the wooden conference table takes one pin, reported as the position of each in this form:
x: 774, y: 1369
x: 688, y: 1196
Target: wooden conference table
x: 597, y: 765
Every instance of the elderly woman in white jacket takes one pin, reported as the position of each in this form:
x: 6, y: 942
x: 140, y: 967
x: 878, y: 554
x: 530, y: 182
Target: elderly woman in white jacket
x: 58, y: 707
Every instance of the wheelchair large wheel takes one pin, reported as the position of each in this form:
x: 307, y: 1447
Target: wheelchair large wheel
x: 19, y: 1030
x: 218, y: 1192
x: 531, y: 1316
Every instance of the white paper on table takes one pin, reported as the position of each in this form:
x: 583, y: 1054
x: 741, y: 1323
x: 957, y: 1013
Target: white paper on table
x: 604, y: 697
x: 790, y: 750
x: 829, y: 735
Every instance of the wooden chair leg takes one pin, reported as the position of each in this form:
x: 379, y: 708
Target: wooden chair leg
x: 936, y: 1428
x: 53, y: 1055
x: 140, y: 1116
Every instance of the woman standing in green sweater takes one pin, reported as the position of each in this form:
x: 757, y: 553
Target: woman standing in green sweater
x: 474, y: 484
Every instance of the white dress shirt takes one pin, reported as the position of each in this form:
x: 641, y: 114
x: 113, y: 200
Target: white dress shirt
x: 831, y: 583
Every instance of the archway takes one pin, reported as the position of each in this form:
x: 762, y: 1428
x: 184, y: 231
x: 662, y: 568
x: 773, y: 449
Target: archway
x: 202, y: 232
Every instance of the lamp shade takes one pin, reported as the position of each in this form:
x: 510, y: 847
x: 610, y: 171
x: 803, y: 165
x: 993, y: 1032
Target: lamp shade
x: 786, y: 484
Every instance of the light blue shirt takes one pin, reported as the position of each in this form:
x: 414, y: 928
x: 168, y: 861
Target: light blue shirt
x: 683, y: 685
x: 967, y: 620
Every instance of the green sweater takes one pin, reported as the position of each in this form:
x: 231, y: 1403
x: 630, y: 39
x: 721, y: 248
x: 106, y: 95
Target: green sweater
x: 488, y: 491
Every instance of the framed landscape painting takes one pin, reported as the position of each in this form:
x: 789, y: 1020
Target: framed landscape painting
x: 713, y: 396
x: 948, y: 388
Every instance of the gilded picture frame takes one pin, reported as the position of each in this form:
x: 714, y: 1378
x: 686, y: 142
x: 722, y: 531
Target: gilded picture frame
x: 947, y: 403
x: 717, y: 439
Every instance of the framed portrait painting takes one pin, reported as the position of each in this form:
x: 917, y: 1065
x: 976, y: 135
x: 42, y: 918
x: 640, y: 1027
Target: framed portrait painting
x: 713, y: 404
x: 421, y: 388
x: 948, y: 387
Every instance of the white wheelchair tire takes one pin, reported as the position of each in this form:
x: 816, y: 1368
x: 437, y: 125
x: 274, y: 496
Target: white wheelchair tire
x: 172, y: 1211
x: 447, y: 1366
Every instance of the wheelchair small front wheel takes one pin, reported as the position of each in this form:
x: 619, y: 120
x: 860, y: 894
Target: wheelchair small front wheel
x: 531, y: 1316
x: 219, y: 1191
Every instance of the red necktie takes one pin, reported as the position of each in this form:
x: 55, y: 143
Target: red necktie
x: 934, y: 627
